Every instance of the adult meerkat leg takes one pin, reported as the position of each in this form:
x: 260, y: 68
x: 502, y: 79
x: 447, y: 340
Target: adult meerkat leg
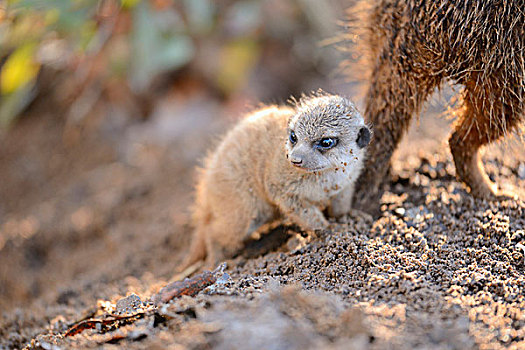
x: 489, y: 112
x: 397, y: 92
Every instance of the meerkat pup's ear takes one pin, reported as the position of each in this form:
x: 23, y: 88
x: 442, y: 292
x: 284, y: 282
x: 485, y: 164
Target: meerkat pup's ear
x: 363, y: 137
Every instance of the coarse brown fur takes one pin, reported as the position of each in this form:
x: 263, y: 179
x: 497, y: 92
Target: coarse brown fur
x: 414, y: 46
x: 260, y: 173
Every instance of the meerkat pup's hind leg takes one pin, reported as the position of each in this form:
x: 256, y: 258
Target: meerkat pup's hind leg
x: 478, y: 126
x: 225, y: 235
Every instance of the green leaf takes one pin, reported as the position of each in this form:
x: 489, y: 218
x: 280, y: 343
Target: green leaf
x: 200, y: 15
x: 155, y: 51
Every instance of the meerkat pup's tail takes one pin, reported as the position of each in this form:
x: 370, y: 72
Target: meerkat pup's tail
x: 194, y: 259
x: 200, y: 219
x: 197, y: 251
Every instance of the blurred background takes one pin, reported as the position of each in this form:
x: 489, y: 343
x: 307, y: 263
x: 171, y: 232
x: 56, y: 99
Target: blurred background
x: 82, y: 55
x: 106, y: 108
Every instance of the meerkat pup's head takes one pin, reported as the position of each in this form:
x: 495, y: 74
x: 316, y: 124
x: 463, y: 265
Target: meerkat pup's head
x: 326, y: 132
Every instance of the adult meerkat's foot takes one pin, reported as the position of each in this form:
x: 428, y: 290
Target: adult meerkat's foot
x: 469, y: 169
x: 477, y: 127
x: 506, y: 193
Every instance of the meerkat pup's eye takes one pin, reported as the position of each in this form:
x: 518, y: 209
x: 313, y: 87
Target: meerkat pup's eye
x: 326, y: 143
x: 293, y: 137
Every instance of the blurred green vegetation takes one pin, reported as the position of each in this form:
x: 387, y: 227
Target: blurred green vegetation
x: 90, y: 46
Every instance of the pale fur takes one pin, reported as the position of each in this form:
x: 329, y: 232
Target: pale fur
x: 248, y: 181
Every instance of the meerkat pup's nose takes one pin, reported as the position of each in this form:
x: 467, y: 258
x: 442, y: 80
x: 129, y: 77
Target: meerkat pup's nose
x: 295, y: 159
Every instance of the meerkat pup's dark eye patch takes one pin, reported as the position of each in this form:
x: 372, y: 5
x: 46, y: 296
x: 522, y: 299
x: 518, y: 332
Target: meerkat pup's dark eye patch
x: 363, y: 137
x: 293, y: 137
x: 326, y: 143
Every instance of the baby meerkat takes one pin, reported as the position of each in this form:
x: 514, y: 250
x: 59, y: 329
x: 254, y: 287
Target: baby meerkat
x: 278, y: 163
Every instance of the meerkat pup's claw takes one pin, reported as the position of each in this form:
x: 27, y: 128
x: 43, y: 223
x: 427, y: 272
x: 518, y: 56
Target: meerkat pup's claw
x: 278, y: 163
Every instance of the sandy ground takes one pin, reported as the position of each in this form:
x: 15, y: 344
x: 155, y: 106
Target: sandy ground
x: 88, y: 218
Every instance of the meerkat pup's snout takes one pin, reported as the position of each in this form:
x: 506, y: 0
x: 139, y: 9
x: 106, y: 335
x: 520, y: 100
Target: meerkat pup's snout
x: 279, y: 162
